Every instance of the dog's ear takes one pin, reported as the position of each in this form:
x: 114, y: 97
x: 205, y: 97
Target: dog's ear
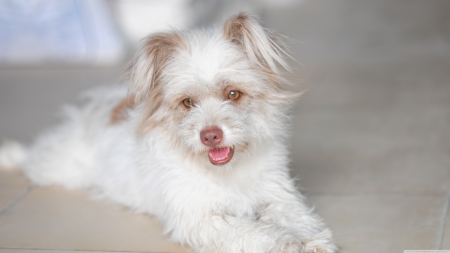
x: 145, y: 73
x: 263, y: 47
x: 153, y: 54
x: 266, y: 50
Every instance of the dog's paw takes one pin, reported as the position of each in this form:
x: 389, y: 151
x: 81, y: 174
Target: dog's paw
x: 301, y: 247
x: 317, y: 250
x: 287, y: 244
x: 320, y: 243
x: 292, y: 247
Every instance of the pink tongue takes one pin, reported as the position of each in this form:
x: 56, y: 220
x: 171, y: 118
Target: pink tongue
x: 219, y: 153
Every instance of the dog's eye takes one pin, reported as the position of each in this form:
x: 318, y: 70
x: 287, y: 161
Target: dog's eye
x: 188, y: 102
x: 234, y: 94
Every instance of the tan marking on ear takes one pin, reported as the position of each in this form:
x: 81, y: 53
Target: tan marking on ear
x: 119, y: 112
x: 162, y: 47
x: 263, y: 47
x: 145, y: 73
x: 233, y: 28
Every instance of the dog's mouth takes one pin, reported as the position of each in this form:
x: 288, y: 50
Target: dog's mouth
x: 220, y: 156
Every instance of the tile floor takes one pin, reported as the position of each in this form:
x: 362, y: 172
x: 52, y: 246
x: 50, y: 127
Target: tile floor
x: 46, y: 218
x: 370, y: 147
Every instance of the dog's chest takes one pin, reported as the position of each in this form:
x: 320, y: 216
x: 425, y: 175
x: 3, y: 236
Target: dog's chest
x: 215, y: 195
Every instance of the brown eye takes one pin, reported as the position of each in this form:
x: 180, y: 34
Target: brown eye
x: 188, y: 102
x: 234, y: 94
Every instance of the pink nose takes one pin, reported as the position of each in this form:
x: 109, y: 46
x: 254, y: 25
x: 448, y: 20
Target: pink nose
x: 211, y: 137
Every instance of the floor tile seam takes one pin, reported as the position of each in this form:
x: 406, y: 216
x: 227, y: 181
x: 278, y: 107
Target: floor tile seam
x: 80, y: 251
x: 413, y: 195
x: 16, y: 200
x: 441, y: 231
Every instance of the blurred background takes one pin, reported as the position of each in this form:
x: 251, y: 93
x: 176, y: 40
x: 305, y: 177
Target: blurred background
x: 371, y: 137
x: 58, y: 48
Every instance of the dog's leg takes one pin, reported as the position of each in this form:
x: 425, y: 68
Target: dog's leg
x: 293, y: 215
x: 229, y: 234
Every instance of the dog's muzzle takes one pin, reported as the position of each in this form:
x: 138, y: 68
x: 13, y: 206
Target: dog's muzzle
x: 218, y: 155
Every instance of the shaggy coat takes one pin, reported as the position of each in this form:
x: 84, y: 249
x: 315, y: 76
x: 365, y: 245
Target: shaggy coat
x: 197, y: 140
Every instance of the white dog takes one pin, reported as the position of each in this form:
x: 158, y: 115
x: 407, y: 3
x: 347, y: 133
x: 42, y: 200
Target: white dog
x: 198, y: 141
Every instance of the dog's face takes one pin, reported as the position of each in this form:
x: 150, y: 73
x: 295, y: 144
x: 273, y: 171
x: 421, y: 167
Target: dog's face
x: 216, y: 95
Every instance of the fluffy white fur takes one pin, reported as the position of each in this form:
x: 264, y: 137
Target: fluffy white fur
x: 153, y: 160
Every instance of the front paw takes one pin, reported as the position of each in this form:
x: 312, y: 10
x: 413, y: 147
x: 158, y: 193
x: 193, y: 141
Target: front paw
x: 287, y: 244
x: 320, y: 243
x: 310, y: 246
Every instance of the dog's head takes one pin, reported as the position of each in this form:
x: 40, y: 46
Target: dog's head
x: 215, y: 94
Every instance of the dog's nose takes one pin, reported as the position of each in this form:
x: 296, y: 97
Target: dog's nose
x: 211, y: 137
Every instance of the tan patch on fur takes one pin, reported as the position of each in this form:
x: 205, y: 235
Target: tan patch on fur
x: 152, y: 104
x: 154, y: 52
x: 145, y: 73
x: 234, y: 27
x: 119, y: 112
x: 243, y: 30
x: 159, y: 48
x: 263, y: 47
